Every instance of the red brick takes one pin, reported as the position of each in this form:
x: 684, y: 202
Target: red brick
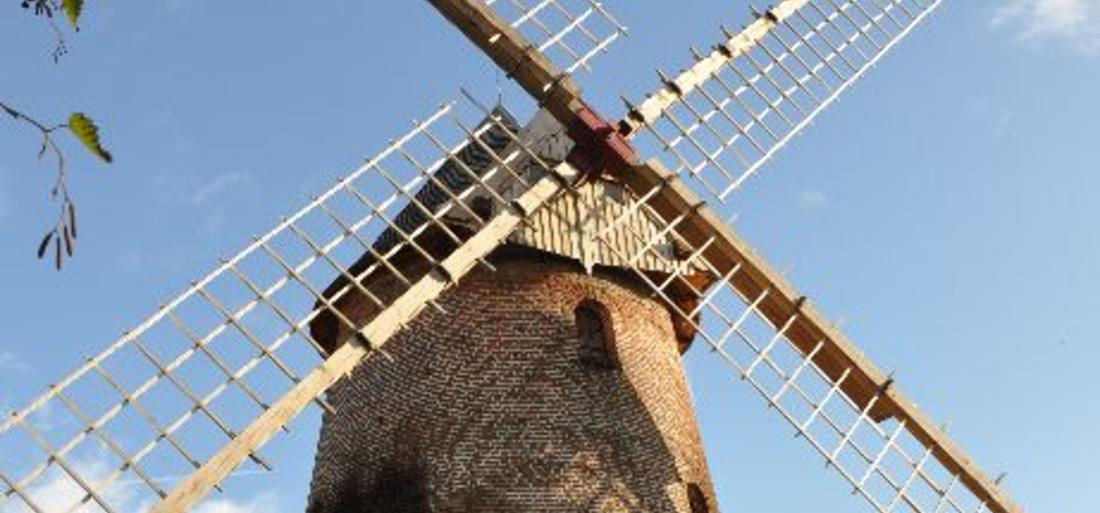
x: 489, y: 407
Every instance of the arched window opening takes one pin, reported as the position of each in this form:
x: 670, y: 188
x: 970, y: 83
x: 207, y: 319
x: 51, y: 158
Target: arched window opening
x: 697, y: 500
x: 597, y: 344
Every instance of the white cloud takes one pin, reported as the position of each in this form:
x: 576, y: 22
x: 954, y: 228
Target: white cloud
x: 1002, y: 124
x: 56, y: 492
x: 219, y: 185
x: 266, y: 503
x: 210, y: 200
x: 1074, y: 21
x: 812, y: 199
x: 175, y: 6
x: 10, y: 362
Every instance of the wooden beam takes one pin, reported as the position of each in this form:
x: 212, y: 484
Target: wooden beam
x: 378, y: 332
x: 553, y: 88
x: 865, y: 382
x: 690, y: 79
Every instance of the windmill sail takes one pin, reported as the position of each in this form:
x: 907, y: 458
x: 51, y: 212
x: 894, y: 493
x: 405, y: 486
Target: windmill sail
x: 727, y: 115
x: 805, y: 369
x: 835, y: 398
x: 571, y: 33
x: 244, y: 331
x: 201, y: 385
x: 715, y: 126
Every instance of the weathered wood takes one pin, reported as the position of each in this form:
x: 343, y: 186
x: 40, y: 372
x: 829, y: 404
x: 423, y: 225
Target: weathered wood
x: 345, y: 359
x: 837, y: 355
x: 691, y: 78
x: 553, y: 88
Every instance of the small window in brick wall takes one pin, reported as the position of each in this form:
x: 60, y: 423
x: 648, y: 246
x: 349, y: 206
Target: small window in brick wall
x: 697, y: 500
x: 596, y: 337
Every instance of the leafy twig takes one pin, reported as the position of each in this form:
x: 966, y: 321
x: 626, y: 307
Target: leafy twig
x: 46, y: 10
x: 63, y: 234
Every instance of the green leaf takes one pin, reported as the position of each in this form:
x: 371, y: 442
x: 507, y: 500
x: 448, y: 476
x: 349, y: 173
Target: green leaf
x: 73, y: 8
x: 88, y: 133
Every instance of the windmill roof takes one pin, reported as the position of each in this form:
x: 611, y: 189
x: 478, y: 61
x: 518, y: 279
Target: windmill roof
x: 566, y: 226
x: 451, y: 177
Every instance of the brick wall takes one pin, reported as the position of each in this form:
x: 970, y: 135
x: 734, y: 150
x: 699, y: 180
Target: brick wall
x: 491, y: 407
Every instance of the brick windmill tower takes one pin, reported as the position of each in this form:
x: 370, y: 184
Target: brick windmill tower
x: 491, y: 313
x: 552, y: 382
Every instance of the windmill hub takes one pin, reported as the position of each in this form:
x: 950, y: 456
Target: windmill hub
x: 601, y: 149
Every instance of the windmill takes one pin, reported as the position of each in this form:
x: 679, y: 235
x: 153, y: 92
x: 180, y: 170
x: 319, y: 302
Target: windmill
x: 490, y: 313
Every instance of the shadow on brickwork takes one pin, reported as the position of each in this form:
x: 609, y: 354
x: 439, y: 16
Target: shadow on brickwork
x: 496, y: 412
x: 396, y: 490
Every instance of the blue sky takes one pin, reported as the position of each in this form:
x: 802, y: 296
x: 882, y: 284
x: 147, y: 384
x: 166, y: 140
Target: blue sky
x: 945, y: 208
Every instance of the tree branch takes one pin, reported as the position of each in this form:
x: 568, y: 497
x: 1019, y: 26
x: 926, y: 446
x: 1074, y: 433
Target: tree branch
x: 63, y: 233
x: 46, y: 9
